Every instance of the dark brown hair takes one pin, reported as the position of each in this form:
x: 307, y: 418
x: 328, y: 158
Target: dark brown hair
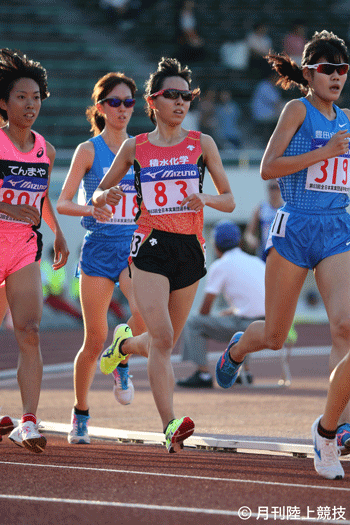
x: 167, y: 67
x: 13, y: 66
x: 323, y: 44
x: 101, y: 90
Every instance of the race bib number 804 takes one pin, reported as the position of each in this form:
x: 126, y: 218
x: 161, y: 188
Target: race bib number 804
x: 20, y: 190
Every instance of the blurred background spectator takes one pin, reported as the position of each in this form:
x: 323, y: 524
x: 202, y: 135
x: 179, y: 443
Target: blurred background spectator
x: 228, y: 115
x: 239, y: 278
x: 207, y: 113
x: 257, y: 229
x: 124, y: 13
x: 295, y: 40
x: 191, y: 45
x: 266, y: 105
x: 259, y: 43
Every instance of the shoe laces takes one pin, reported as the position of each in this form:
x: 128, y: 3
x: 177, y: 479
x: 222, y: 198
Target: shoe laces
x: 330, y: 452
x: 122, y: 377
x: 80, y: 423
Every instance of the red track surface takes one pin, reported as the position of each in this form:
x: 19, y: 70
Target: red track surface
x: 113, y: 483
x: 140, y: 477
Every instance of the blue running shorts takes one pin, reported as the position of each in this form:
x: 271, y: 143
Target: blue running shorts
x: 306, y: 238
x: 104, y: 258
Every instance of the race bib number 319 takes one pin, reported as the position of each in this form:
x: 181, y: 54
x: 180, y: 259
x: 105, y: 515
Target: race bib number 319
x: 330, y: 175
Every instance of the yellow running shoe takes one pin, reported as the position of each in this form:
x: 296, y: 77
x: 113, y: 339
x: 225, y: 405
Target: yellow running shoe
x: 292, y: 336
x: 176, y: 432
x: 111, y: 357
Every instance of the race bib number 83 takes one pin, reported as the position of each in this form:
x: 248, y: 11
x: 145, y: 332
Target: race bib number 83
x: 163, y: 190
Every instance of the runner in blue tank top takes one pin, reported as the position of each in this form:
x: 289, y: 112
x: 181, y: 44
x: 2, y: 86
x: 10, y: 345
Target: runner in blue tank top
x: 261, y: 220
x: 309, y: 155
x: 104, y: 256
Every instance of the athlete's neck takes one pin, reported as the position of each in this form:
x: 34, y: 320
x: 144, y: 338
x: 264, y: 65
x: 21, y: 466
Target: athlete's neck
x: 167, y: 137
x: 22, y: 139
x: 325, y: 107
x: 114, y: 138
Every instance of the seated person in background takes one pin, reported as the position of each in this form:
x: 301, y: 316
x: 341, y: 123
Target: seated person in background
x: 207, y: 114
x: 266, y: 105
x: 294, y: 41
x: 228, y: 115
x: 259, y: 43
x: 239, y: 277
x: 257, y: 230
x: 191, y: 45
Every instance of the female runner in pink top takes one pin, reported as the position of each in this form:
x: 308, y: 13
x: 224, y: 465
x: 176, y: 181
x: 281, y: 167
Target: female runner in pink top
x: 26, y: 161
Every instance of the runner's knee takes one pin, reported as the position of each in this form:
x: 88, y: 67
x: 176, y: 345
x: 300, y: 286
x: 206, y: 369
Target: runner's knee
x: 163, y: 340
x: 275, y: 341
x: 27, y: 333
x: 340, y: 328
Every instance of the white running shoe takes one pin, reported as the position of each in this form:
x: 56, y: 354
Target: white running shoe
x: 27, y: 435
x: 326, y: 455
x: 123, y: 388
x: 79, y: 434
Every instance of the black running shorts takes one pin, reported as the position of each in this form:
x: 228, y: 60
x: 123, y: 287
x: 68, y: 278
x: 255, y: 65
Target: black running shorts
x: 179, y: 257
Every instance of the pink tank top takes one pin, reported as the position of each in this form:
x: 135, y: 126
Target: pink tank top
x: 23, y: 178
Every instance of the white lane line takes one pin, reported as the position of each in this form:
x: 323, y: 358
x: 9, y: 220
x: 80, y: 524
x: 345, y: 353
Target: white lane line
x: 184, y: 476
x: 162, y: 508
x: 67, y: 368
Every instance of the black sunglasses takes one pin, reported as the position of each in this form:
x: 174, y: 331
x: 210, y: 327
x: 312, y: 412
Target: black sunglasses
x: 173, y: 94
x: 116, y: 102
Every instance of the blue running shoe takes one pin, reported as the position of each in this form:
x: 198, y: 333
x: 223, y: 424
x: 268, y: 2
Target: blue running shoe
x: 78, y: 434
x: 226, y: 371
x: 343, y: 439
x: 123, y: 388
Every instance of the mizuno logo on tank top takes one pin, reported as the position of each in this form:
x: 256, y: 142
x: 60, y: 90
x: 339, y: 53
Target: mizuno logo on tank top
x: 23, y: 178
x: 164, y: 177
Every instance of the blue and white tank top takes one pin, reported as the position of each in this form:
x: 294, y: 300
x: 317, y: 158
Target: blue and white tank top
x: 324, y: 185
x: 122, y: 225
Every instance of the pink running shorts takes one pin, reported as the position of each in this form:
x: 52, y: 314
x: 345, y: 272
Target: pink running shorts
x: 17, y: 249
